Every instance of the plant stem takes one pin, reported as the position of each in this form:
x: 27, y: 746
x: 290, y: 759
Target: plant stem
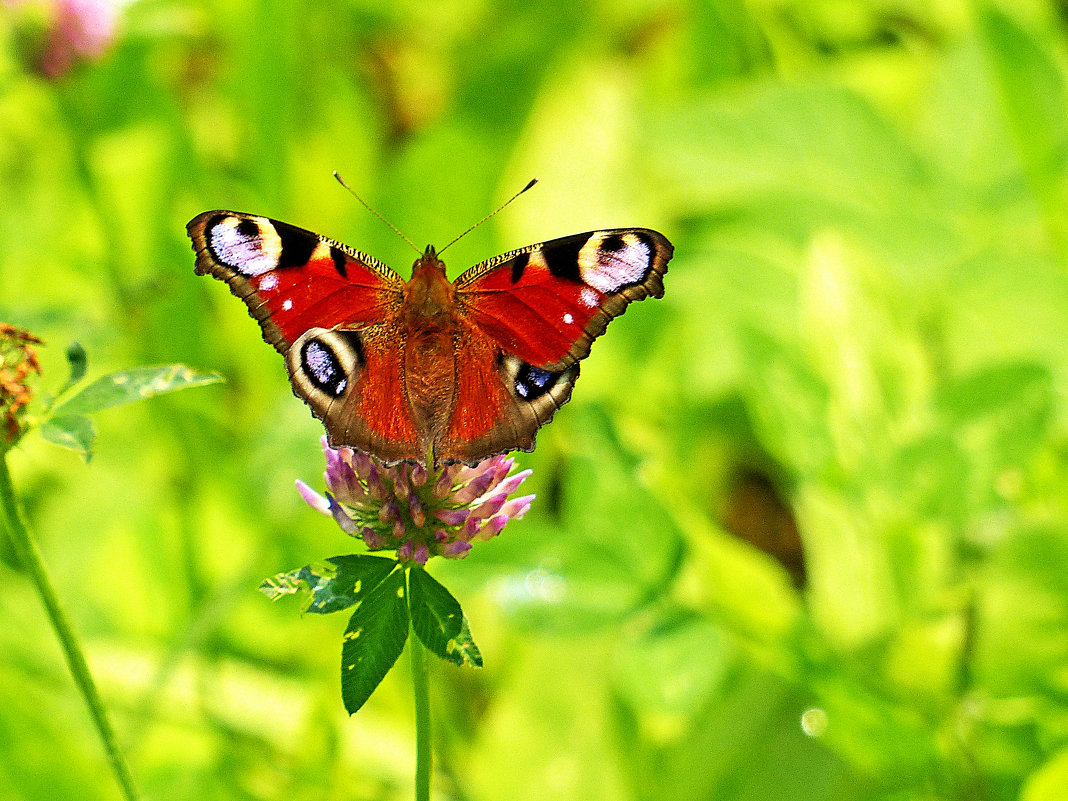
x: 422, y: 719
x: 29, y: 558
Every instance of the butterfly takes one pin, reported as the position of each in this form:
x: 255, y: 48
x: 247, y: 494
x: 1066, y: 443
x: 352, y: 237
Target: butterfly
x: 429, y: 370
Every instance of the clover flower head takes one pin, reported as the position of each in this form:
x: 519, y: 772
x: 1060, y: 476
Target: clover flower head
x: 416, y: 512
x: 18, y: 360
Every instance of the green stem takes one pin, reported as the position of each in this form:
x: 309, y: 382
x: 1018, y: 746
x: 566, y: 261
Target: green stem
x: 29, y: 557
x: 422, y: 719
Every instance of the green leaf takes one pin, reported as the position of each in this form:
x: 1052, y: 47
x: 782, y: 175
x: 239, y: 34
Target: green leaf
x: 139, y: 383
x: 672, y: 669
x: 439, y: 621
x: 436, y: 615
x: 1024, y: 610
x: 333, y: 584
x: 749, y: 142
x: 373, y: 640
x: 930, y: 477
x: 465, y: 652
x: 72, y: 431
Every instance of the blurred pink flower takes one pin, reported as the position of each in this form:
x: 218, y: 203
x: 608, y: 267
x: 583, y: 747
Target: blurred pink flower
x: 76, y: 30
x: 83, y: 29
x: 416, y: 513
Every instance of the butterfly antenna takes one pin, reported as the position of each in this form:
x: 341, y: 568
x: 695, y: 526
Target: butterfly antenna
x: 499, y: 209
x: 367, y: 206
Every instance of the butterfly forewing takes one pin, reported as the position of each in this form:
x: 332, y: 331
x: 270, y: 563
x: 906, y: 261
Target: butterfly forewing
x: 546, y: 303
x: 291, y: 279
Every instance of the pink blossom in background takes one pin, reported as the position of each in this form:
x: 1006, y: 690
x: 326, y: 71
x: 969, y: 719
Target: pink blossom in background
x: 76, y: 30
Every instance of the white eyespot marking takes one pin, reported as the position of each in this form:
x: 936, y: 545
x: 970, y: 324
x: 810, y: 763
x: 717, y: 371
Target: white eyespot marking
x: 588, y: 297
x: 610, y: 262
x: 530, y: 382
x: 268, y: 282
x: 321, y: 363
x: 287, y: 305
x: 568, y: 319
x: 245, y: 245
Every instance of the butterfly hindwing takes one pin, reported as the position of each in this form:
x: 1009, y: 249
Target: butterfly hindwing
x: 352, y: 381
x: 500, y: 402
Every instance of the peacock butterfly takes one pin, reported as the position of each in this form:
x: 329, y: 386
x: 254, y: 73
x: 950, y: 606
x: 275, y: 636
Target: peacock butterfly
x: 428, y: 368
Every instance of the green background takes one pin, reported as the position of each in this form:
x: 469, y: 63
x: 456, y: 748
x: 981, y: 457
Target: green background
x: 860, y: 365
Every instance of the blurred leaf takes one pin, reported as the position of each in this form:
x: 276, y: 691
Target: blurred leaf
x: 1048, y: 783
x: 859, y: 338
x: 373, y: 640
x: 439, y: 621
x: 331, y: 585
x: 670, y: 672
x: 1000, y: 413
x: 1036, y: 104
x: 789, y: 403
x: 931, y: 478
x: 127, y: 386
x: 876, y: 734
x: 1009, y: 305
x: 72, y: 431
x: 791, y: 160
x: 765, y: 138
x: 741, y: 742
x: 1023, y: 614
x: 964, y: 133
x: 851, y: 594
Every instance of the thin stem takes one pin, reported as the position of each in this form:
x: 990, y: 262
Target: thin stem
x: 422, y: 719
x: 29, y: 557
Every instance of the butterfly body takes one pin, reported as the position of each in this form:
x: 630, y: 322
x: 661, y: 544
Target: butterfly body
x: 428, y: 331
x: 402, y: 369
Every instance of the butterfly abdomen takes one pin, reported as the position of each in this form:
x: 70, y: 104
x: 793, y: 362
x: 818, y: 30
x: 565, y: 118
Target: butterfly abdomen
x: 429, y: 376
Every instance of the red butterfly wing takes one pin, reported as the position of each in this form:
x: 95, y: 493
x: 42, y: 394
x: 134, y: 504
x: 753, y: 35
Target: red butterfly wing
x: 292, y: 280
x: 545, y: 304
x: 353, y: 381
x: 529, y: 316
x: 330, y: 310
x: 499, y: 401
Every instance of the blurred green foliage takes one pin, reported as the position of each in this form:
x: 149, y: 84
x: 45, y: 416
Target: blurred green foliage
x: 860, y: 366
